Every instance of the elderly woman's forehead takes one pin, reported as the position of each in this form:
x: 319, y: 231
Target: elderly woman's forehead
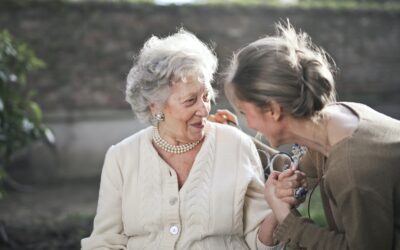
x: 190, y: 86
x: 192, y: 77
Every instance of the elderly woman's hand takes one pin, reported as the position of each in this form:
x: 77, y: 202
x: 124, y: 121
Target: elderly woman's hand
x: 224, y: 116
x: 279, y: 191
x: 280, y: 208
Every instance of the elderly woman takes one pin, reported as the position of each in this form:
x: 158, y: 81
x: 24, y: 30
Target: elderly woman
x: 184, y: 183
x: 284, y: 87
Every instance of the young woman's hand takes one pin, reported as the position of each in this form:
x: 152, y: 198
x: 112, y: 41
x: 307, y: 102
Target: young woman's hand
x: 280, y: 191
x: 224, y: 116
x: 288, y: 182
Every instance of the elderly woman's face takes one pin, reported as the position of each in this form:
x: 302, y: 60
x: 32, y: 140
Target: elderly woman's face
x: 186, y: 111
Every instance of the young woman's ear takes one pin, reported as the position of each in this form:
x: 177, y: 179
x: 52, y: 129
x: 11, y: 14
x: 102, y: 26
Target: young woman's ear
x: 276, y: 110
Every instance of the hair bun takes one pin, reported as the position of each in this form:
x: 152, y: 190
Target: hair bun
x: 316, y: 86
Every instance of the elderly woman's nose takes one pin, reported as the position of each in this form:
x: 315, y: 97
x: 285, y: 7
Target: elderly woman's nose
x: 203, y: 108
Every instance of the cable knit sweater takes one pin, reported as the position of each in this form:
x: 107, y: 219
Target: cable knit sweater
x: 220, y: 206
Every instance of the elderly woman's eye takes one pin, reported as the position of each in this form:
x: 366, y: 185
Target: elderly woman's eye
x: 206, y: 97
x: 191, y: 100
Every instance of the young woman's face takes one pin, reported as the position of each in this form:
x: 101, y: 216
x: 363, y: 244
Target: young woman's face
x: 260, y: 120
x: 186, y: 111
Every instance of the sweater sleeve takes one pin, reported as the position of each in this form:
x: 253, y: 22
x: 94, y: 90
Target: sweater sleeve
x: 364, y: 214
x: 299, y: 232
x: 108, y: 228
x: 255, y: 207
x: 365, y: 220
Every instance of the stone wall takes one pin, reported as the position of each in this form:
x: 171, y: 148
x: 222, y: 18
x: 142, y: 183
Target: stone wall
x: 89, y: 49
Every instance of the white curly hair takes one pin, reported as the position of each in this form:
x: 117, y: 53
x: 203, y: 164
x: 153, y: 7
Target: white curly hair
x: 166, y: 61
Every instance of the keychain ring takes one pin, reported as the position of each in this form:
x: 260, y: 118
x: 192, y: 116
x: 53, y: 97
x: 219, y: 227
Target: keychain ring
x: 298, y: 151
x: 270, y: 165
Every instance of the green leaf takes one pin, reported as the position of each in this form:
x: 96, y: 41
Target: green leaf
x: 36, y: 111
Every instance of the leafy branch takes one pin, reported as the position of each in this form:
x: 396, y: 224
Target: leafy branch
x: 20, y: 117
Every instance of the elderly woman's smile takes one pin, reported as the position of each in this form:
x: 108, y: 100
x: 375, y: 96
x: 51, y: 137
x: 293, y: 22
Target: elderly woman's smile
x: 186, y: 111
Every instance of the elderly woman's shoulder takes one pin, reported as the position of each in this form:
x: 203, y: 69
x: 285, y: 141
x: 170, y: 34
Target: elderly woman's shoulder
x: 134, y: 140
x: 231, y: 132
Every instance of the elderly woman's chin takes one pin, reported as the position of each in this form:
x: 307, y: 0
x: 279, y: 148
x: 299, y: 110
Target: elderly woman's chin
x: 197, y: 130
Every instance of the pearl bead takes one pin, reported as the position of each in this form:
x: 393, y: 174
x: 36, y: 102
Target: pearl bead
x: 175, y: 149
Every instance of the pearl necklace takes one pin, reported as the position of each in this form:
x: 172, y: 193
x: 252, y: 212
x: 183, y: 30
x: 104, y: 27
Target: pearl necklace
x: 175, y: 149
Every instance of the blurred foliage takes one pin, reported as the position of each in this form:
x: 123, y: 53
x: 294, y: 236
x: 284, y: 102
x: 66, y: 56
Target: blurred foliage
x: 20, y: 117
x: 332, y: 4
x: 314, y: 208
x: 351, y: 4
x: 383, y: 5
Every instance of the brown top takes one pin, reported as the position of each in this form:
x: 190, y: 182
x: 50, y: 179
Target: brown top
x: 360, y: 189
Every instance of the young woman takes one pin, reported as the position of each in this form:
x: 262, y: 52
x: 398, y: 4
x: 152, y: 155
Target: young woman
x: 284, y: 86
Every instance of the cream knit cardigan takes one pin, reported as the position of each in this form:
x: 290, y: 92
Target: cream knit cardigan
x: 220, y: 206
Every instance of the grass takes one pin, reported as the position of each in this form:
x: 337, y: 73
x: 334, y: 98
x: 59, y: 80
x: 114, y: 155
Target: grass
x: 316, y: 210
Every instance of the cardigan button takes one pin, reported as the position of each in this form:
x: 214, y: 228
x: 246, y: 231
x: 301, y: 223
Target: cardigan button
x: 173, y: 200
x: 174, y: 230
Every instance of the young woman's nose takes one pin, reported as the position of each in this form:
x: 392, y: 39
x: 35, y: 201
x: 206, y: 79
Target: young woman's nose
x: 250, y: 123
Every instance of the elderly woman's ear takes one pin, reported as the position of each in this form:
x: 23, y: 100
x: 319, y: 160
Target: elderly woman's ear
x: 155, y: 108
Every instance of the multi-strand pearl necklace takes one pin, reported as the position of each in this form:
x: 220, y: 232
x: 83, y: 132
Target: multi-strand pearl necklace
x: 175, y: 149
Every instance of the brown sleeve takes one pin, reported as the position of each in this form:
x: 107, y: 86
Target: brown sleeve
x: 367, y: 218
x: 365, y: 215
x: 367, y: 221
x: 362, y: 194
x: 299, y: 232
